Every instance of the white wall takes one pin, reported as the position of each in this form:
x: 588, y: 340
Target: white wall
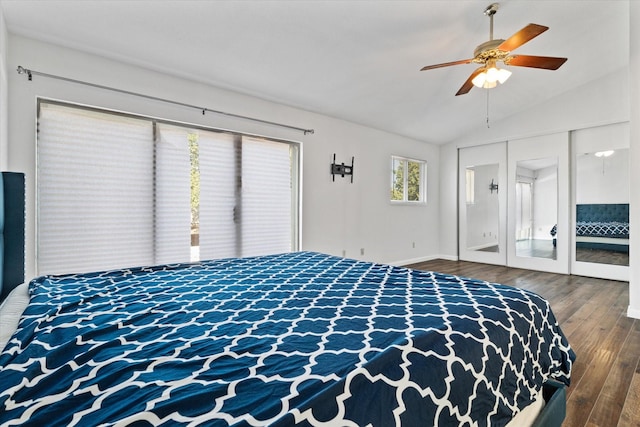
x: 337, y: 216
x: 602, y: 179
x: 4, y: 93
x: 634, y: 155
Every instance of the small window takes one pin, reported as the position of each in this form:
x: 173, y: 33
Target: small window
x: 408, y: 180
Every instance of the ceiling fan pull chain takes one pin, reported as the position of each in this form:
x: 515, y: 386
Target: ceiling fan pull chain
x: 488, y: 110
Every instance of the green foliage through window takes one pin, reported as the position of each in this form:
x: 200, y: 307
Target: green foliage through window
x: 408, y: 180
x: 195, y: 182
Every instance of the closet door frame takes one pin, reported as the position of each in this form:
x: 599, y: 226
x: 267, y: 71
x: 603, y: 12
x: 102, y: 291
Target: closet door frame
x: 617, y: 137
x: 541, y: 147
x: 489, y: 154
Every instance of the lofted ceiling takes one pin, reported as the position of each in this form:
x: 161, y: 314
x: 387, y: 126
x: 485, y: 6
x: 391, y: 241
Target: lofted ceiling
x: 352, y: 59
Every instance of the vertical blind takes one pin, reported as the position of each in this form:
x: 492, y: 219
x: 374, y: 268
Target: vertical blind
x: 114, y: 191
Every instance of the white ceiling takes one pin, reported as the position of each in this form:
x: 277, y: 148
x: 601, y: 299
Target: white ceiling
x: 356, y: 60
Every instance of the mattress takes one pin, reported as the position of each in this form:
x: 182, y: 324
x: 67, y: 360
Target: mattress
x: 302, y: 338
x: 10, y: 311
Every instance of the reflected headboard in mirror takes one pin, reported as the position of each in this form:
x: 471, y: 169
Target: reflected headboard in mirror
x: 12, y: 219
x: 604, y: 213
x: 603, y: 226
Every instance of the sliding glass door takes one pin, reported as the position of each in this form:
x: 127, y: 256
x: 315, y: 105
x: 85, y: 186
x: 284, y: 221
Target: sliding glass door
x: 117, y: 191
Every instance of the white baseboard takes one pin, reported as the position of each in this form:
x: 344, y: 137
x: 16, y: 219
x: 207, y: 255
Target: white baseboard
x: 402, y: 263
x: 633, y: 312
x: 483, y: 246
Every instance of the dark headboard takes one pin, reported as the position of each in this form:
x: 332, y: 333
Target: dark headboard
x: 12, y: 219
x: 609, y: 212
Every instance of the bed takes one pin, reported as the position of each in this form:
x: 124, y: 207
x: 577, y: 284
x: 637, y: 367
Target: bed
x: 601, y: 226
x: 300, y: 338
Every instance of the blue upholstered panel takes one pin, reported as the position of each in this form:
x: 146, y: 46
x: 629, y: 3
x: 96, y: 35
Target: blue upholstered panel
x: 1, y: 234
x: 13, y: 210
x: 610, y: 212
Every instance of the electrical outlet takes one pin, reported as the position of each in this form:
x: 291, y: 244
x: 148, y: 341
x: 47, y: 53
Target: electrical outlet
x: 361, y: 251
x: 344, y: 253
x: 413, y: 244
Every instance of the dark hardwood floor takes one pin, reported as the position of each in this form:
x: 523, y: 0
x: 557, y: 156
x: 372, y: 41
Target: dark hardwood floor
x: 605, y: 381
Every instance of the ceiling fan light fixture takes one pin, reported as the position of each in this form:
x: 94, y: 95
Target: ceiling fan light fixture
x: 503, y: 75
x: 491, y: 76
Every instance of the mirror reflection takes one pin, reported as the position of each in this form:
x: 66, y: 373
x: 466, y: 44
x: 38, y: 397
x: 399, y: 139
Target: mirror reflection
x: 536, y: 204
x: 602, y: 207
x: 482, y: 207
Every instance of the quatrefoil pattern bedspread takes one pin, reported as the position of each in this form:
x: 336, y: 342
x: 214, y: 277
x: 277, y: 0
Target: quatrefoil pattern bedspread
x: 603, y: 229
x: 302, y: 338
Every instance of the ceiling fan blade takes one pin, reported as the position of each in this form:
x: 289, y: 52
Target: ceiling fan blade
x: 522, y: 36
x: 544, y: 62
x: 446, y: 64
x: 468, y: 85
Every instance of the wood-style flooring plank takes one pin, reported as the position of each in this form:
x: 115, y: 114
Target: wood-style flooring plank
x: 581, y: 402
x: 614, y: 392
x: 630, y: 416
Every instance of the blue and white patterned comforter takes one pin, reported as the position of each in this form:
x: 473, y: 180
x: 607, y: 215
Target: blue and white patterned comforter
x: 613, y: 229
x: 619, y: 230
x: 301, y: 338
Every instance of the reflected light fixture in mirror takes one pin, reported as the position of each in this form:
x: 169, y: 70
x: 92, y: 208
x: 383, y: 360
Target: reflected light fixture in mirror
x: 491, y: 76
x: 604, y: 153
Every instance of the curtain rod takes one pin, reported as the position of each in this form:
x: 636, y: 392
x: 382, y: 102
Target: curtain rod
x: 31, y: 73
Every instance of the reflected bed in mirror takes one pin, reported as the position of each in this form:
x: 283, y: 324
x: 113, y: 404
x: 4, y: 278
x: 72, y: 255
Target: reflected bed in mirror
x: 602, y: 233
x: 602, y: 207
x: 536, y: 207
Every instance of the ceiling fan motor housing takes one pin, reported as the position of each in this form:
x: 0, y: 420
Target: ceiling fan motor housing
x: 489, y: 50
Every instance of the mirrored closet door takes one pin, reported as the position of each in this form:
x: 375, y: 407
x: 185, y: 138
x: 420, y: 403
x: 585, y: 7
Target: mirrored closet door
x: 538, y: 208
x: 600, y: 208
x: 482, y: 203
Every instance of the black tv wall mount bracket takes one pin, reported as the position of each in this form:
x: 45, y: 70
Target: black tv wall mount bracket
x: 341, y: 169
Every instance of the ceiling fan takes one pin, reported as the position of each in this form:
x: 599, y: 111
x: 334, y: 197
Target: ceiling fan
x: 498, y: 50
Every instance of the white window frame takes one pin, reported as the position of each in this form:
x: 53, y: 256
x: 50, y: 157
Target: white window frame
x: 422, y: 193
